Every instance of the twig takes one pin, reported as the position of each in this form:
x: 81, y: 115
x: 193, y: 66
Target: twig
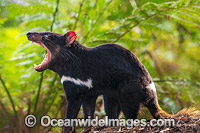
x: 59, y: 108
x: 48, y: 108
x: 38, y: 92
x: 95, y: 22
x: 6, y: 112
x: 79, y: 12
x: 54, y: 15
x: 168, y: 80
x: 49, y: 92
x: 177, y: 80
x: 41, y: 76
x: 133, y: 27
x: 56, y: 114
x: 156, y: 62
x: 9, y: 96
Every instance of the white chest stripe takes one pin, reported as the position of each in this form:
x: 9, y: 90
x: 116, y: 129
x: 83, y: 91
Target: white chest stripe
x: 152, y: 86
x: 87, y: 83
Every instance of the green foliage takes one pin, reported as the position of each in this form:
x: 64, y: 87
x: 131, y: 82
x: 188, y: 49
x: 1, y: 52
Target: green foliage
x: 164, y: 34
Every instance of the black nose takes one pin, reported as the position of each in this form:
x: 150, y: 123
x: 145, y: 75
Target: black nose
x: 28, y: 34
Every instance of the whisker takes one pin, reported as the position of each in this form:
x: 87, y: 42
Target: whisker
x: 62, y: 54
x: 70, y: 53
x: 65, y: 53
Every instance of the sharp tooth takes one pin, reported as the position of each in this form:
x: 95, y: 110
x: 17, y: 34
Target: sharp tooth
x: 31, y: 43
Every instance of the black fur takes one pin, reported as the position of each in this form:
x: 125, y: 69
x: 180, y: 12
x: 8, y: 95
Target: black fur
x: 116, y: 73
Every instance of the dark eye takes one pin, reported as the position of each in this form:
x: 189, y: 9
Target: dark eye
x: 45, y: 37
x: 52, y: 36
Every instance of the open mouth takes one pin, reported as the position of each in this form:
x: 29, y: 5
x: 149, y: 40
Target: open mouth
x: 42, y: 66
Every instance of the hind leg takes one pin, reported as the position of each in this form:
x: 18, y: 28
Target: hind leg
x: 153, y: 108
x: 112, y: 106
x: 151, y: 102
x: 130, y: 98
x: 130, y: 105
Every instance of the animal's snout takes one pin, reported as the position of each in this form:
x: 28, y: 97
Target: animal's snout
x: 34, y: 36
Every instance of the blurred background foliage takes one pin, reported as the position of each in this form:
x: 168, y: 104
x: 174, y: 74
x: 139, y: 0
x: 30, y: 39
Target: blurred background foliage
x: 164, y: 34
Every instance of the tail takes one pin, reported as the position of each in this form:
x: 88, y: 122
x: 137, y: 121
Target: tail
x: 157, y: 112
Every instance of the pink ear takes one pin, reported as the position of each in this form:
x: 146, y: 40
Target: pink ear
x: 70, y: 37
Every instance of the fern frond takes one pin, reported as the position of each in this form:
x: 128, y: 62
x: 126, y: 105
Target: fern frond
x: 150, y: 26
x: 183, y: 21
x: 29, y: 9
x: 170, y: 9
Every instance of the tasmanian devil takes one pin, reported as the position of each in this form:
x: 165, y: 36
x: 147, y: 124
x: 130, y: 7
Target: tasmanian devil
x: 109, y: 70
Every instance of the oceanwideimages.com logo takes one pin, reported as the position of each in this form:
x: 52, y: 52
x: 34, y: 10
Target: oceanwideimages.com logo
x: 46, y: 121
